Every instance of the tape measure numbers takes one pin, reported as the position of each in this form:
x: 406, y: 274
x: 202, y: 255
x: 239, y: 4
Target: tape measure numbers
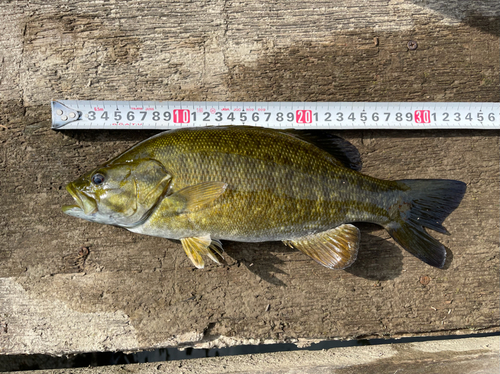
x: 88, y: 114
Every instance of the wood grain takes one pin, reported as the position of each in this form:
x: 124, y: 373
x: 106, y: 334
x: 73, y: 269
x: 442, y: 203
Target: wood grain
x: 137, y: 292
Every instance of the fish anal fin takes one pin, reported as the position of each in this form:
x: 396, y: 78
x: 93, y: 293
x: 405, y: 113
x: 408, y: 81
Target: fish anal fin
x: 196, y: 247
x: 193, y: 198
x: 336, y: 248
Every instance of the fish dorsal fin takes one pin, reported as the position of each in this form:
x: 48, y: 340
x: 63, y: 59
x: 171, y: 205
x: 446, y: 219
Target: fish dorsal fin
x: 196, y: 247
x: 347, y: 154
x: 336, y: 248
x: 193, y: 198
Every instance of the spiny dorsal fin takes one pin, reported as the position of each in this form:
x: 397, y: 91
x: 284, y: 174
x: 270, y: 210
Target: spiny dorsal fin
x: 336, y: 248
x: 195, y: 247
x: 347, y: 154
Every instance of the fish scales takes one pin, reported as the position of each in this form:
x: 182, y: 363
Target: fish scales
x: 277, y: 189
x: 252, y: 184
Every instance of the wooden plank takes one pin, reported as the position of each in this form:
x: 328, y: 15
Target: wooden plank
x: 136, y: 292
x: 464, y: 356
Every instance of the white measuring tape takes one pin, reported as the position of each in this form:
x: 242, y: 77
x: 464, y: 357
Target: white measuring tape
x: 160, y: 115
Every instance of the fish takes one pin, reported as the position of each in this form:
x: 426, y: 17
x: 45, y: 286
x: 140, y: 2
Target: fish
x: 304, y: 188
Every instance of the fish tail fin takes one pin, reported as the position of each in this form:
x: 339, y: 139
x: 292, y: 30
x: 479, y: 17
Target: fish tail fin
x: 426, y: 205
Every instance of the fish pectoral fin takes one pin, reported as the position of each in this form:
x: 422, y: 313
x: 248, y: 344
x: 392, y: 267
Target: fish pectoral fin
x: 336, y: 248
x: 193, y: 198
x: 195, y: 247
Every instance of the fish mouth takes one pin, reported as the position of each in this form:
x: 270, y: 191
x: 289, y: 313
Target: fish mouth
x: 84, y: 202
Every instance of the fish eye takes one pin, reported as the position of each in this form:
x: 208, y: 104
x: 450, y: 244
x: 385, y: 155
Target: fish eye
x: 97, y: 178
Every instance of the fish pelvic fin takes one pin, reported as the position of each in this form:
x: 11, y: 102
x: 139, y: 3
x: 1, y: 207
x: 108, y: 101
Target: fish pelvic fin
x: 427, y: 204
x: 336, y: 248
x: 196, y: 247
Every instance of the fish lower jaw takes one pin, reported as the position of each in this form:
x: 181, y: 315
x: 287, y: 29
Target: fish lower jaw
x: 83, y: 202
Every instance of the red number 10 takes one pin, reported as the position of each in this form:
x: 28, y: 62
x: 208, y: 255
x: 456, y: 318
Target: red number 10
x: 182, y: 116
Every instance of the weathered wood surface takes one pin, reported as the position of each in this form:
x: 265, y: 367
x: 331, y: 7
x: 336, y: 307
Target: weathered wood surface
x: 136, y: 292
x: 464, y: 356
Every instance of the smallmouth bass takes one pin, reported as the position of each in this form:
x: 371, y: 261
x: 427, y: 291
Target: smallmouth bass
x: 251, y: 184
